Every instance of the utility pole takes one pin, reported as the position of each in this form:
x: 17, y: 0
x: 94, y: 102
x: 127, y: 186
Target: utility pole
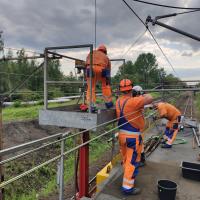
x: 1, y: 124
x: 1, y: 147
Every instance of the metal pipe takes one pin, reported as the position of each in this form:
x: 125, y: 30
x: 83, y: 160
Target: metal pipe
x: 39, y: 141
x: 45, y: 80
x: 194, y: 37
x: 2, y: 185
x: 64, y: 82
x: 171, y: 89
x: 69, y: 47
x: 91, y: 73
x: 61, y: 189
x: 1, y: 147
x: 28, y: 57
x: 196, y: 137
x: 64, y: 56
x: 29, y: 144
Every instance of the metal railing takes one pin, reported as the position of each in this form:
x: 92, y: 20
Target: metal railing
x: 60, y: 138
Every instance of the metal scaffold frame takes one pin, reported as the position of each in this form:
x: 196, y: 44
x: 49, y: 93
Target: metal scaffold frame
x: 49, y: 50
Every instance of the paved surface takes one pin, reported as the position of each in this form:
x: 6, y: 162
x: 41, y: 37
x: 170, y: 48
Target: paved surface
x: 162, y: 164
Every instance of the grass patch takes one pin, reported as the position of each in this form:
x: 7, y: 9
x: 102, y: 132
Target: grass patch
x: 28, y: 112
x: 42, y: 182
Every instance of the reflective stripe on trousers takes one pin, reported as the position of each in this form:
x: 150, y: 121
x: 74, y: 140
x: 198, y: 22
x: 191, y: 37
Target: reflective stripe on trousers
x: 130, y: 148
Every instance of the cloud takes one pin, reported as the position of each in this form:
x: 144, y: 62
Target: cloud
x: 38, y: 24
x: 188, y: 54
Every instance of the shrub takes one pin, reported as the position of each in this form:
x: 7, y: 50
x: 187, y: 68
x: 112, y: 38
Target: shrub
x: 17, y: 104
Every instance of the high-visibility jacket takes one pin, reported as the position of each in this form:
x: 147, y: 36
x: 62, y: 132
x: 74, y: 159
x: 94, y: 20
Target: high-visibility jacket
x: 129, y: 110
x: 99, y: 59
x: 168, y: 111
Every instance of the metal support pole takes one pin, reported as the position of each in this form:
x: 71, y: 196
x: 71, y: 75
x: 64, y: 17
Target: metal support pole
x: 84, y: 167
x: 91, y: 72
x: 45, y: 80
x: 61, y: 184
x: 1, y: 147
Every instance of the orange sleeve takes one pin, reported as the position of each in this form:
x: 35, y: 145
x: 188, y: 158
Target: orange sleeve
x: 138, y: 102
x: 162, y: 111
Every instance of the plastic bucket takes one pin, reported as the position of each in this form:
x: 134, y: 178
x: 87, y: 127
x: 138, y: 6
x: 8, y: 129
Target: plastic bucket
x: 167, y: 190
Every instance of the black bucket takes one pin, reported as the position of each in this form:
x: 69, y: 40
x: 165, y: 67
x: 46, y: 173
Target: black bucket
x: 167, y: 190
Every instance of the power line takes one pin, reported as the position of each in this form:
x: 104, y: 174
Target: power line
x: 132, y: 45
x: 136, y: 41
x: 15, y: 49
x: 186, y: 12
x: 150, y: 34
x: 166, y: 6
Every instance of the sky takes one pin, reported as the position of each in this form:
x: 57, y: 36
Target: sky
x: 34, y: 25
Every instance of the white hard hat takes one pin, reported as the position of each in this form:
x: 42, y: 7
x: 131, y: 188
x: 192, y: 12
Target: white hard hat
x: 137, y: 88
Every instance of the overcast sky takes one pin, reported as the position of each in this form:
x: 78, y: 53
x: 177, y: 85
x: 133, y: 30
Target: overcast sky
x: 35, y: 24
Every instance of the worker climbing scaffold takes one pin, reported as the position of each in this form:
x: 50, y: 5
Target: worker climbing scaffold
x: 101, y: 72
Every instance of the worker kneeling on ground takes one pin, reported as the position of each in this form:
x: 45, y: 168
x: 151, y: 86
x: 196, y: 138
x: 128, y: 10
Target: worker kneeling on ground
x: 101, y: 71
x: 173, y: 115
x: 129, y: 111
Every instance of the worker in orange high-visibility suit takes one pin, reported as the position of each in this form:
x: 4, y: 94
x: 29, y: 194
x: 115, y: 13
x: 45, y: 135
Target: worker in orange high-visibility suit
x: 129, y: 112
x: 173, y: 115
x: 101, y: 72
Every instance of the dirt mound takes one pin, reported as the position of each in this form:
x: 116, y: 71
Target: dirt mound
x: 24, y: 131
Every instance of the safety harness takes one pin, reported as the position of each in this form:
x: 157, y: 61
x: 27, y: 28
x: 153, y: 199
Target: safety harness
x: 122, y: 122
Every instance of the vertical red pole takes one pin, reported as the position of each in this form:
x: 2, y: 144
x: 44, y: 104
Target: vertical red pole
x: 84, y: 167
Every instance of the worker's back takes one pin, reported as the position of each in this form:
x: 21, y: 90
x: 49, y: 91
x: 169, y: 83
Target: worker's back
x: 99, y: 59
x: 168, y: 110
x: 132, y: 110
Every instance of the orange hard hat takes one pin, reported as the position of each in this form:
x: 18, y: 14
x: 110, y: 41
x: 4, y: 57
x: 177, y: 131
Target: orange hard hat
x: 125, y: 85
x: 102, y: 48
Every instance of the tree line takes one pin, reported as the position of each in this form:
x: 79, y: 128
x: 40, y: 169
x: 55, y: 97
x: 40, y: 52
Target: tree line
x: 144, y: 71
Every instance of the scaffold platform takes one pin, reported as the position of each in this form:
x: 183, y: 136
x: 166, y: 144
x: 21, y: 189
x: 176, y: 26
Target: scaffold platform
x: 72, y: 117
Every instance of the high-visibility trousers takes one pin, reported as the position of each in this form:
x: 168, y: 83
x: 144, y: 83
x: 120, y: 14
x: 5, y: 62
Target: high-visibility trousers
x: 130, y: 148
x: 106, y: 88
x: 171, y: 131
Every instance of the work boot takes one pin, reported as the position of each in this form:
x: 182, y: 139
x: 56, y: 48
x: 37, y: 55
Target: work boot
x: 142, y: 160
x: 93, y: 109
x: 166, y: 146
x: 163, y: 141
x: 133, y: 191
x: 141, y: 164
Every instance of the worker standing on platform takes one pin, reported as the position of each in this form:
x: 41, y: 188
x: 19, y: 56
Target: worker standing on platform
x: 129, y: 112
x: 173, y: 115
x: 136, y: 92
x: 101, y: 72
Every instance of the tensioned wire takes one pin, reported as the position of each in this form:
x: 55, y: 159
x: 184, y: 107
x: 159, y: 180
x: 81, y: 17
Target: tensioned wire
x: 68, y: 137
x: 3, y: 184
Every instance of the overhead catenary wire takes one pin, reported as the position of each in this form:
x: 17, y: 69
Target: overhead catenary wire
x: 151, y: 35
x: 132, y: 45
x: 166, y: 6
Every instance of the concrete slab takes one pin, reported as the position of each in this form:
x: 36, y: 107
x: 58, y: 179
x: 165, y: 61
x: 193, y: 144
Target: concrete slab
x: 162, y: 164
